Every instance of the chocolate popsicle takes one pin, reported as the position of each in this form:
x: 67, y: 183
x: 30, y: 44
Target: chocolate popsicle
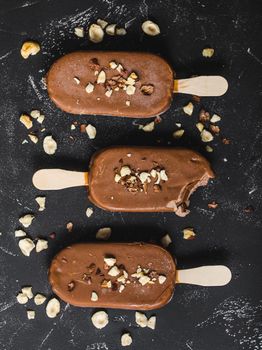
x: 136, y: 276
x: 131, y: 84
x: 135, y: 179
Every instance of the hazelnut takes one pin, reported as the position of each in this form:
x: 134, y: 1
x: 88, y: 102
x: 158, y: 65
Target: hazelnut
x: 150, y: 28
x: 89, y: 212
x: 21, y: 298
x: 96, y: 33
x: 41, y: 202
x: 49, y: 145
x: 89, y: 88
x: 188, y: 233
x: 151, y: 323
x: 20, y: 233
x: 103, y: 233
x: 79, y: 31
x: 26, y: 220
x: 208, y: 52
x: 141, y: 319
x: 30, y: 314
x: 166, y: 240
x: 110, y: 261
x: 91, y: 131
x: 178, y: 133
x: 101, y: 78
x: 94, y: 296
x: 39, y: 299
x: 100, y: 319
x: 53, y: 308
x: 26, y: 121
x: 111, y: 29
x: 41, y: 244
x: 29, y: 48
x: 126, y: 339
x: 188, y: 109
x: 206, y: 136
x: 102, y: 23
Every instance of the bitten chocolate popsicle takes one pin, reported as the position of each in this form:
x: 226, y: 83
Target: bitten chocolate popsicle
x: 135, y: 179
x: 136, y: 276
x: 131, y: 84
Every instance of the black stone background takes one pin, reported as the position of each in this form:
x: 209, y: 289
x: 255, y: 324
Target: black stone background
x: 197, y: 318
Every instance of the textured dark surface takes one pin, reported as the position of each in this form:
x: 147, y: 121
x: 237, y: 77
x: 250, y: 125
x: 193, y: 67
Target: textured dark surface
x: 197, y: 318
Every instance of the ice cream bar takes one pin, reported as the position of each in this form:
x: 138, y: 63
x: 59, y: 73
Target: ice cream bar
x: 136, y: 179
x: 132, y: 84
x: 123, y: 275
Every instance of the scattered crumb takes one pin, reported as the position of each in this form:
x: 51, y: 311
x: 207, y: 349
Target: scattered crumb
x: 206, y: 136
x: 33, y: 138
x: 91, y: 131
x: 150, y: 28
x: 208, y: 52
x: 166, y: 240
x: 126, y: 339
x: 39, y: 299
x: 27, y: 291
x: 215, y: 118
x: 21, y: 298
x: 26, y: 245
x: 148, y: 127
x: 69, y: 226
x: 96, y: 33
x: 94, y: 296
x: 53, y: 308
x: 20, y: 233
x: 141, y: 319
x: 178, y: 133
x: 29, y: 48
x: 100, y: 319
x: 103, y: 233
x: 209, y: 149
x: 151, y: 323
x: 41, y: 202
x: 26, y: 220
x: 189, y: 108
x: 188, y: 233
x: 89, y: 212
x: 30, y: 314
x: 26, y: 121
x: 41, y: 244
x: 79, y: 32
x: 49, y: 145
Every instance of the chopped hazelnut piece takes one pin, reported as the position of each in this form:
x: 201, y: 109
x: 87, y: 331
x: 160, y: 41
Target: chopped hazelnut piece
x: 215, y: 118
x: 200, y: 126
x: 163, y: 175
x: 26, y: 245
x: 121, y: 31
x: 102, y: 23
x: 141, y: 319
x: 39, y: 299
x: 124, y: 171
x: 49, y: 145
x: 41, y: 244
x: 89, y: 212
x: 110, y: 261
x: 53, y: 308
x: 209, y: 149
x: 119, y: 68
x: 89, y: 88
x: 94, y: 296
x: 208, y: 52
x: 147, y: 89
x: 148, y: 127
x: 206, y: 136
x: 72, y: 127
x: 151, y: 323
x: 126, y: 339
x: 30, y: 314
x: 128, y: 103
x: 188, y: 109
x: 106, y: 284
x: 121, y: 288
x: 166, y: 240
x: 114, y: 271
x: 21, y: 298
x: 41, y: 202
x: 96, y: 33
x: 100, y: 319
x: 130, y: 90
x: 33, y: 138
x: 29, y: 48
x: 79, y: 31
x: 40, y: 119
x: 26, y: 220
x: 91, y: 131
x: 28, y: 292
x: 161, y: 279
x: 144, y: 280
x: 188, y: 233
x: 111, y: 29
x: 178, y: 133
x: 117, y: 177
x: 150, y: 28
x: 35, y: 113
x: 69, y: 226
x: 112, y: 65
x: 101, y: 78
x: 20, y: 233
x: 108, y: 93
x: 77, y: 81
x: 26, y: 121
x: 103, y: 233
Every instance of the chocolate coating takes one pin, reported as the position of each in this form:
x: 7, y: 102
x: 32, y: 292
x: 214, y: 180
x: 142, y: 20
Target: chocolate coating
x: 72, y: 263
x: 185, y: 169
x: 72, y: 97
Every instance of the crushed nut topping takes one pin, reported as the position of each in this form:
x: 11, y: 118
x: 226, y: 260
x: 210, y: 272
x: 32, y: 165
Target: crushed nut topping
x: 208, y: 52
x: 89, y: 88
x: 189, y: 108
x: 96, y: 33
x: 101, y: 78
x: 150, y: 28
x: 29, y: 48
x: 147, y: 89
x: 188, y: 233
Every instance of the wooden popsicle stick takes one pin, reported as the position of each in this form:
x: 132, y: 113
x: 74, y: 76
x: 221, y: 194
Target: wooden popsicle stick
x: 208, y: 276
x: 213, y: 85
x: 57, y: 179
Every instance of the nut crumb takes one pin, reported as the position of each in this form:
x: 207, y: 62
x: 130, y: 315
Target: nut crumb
x: 28, y: 292
x: 110, y: 261
x: 21, y: 298
x: 215, y: 118
x: 189, y: 108
x: 26, y: 121
x: 150, y: 28
x: 114, y: 271
x: 91, y: 131
x: 111, y: 29
x: 26, y: 245
x: 29, y: 48
x: 33, y: 138
x: 208, y: 52
x: 112, y: 65
x: 41, y: 202
x: 79, y: 32
x: 209, y: 149
x: 89, y: 88
x: 39, y: 299
x: 151, y: 323
x: 49, y: 145
x: 166, y: 240
x: 53, y: 308
x: 69, y: 226
x: 41, y: 244
x: 161, y: 279
x: 178, y: 133
x: 26, y: 220
x: 126, y: 339
x: 121, y: 31
x: 96, y: 33
x: 103, y: 233
x: 148, y: 127
x: 100, y: 319
x: 102, y: 23
x: 89, y: 212
x: 188, y: 233
x: 30, y: 314
x: 20, y: 233
x: 94, y: 296
x: 141, y: 319
x: 206, y: 136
